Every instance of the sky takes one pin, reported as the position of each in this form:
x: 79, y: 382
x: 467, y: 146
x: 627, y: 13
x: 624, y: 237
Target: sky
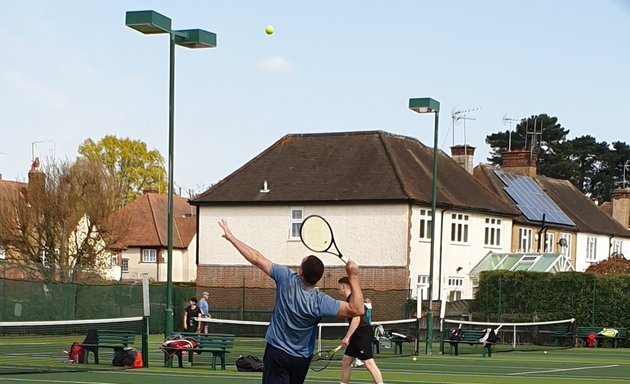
x: 71, y: 70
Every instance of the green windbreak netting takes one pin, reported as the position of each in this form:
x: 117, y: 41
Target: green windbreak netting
x: 44, y: 301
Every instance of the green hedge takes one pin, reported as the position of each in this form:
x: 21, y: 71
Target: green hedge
x: 593, y: 300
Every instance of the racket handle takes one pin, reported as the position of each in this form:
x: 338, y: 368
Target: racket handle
x: 344, y: 259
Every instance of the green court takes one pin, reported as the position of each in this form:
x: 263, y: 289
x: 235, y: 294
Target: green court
x: 574, y: 365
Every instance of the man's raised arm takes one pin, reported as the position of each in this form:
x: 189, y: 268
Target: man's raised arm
x: 355, y: 307
x: 253, y: 256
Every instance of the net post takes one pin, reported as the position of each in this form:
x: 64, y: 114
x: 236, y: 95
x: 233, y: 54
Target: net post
x: 146, y: 306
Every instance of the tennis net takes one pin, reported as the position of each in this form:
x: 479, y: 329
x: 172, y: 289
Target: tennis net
x: 397, y: 337
x: 43, y: 346
x: 532, y: 336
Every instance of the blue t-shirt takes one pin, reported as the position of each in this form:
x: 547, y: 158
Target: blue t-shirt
x: 298, y: 310
x: 203, y: 306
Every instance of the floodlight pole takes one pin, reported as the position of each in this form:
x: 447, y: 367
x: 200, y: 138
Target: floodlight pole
x: 428, y: 105
x: 151, y: 22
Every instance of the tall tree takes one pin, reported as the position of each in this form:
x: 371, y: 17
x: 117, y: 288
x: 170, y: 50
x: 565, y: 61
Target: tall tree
x: 62, y: 221
x: 595, y: 168
x: 540, y: 133
x: 134, y: 167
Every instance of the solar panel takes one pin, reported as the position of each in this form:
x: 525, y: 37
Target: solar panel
x: 531, y: 200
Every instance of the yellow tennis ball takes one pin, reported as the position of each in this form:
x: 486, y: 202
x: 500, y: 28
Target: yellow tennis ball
x: 545, y: 352
x: 413, y: 359
x: 269, y: 29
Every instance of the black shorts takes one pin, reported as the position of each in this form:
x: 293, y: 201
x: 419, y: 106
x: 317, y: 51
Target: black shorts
x: 282, y: 368
x: 361, y: 344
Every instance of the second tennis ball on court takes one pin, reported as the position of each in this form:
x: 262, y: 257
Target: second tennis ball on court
x: 269, y: 30
x: 414, y: 358
x: 545, y: 352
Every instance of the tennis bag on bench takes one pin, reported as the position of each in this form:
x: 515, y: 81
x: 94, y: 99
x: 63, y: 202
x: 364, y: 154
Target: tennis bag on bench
x: 127, y: 357
x: 249, y: 363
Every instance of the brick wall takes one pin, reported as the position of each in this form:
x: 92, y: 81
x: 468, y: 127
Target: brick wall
x: 237, y: 287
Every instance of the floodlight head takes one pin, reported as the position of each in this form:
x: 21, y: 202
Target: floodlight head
x: 195, y: 38
x: 148, y: 22
x: 424, y: 105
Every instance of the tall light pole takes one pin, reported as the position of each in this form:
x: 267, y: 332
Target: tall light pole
x: 428, y: 105
x: 151, y: 22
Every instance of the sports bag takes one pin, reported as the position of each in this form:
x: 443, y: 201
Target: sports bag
x: 76, y: 353
x: 124, y: 357
x: 249, y: 363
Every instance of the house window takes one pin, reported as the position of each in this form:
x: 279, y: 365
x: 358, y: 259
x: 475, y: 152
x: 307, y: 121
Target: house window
x: 149, y: 255
x: 492, y: 235
x: 616, y: 246
x: 550, y: 245
x: 591, y: 248
x: 565, y: 246
x: 455, y: 283
x: 297, y: 215
x: 459, y: 228
x: 115, y: 260
x: 423, y: 280
x: 425, y: 224
x: 3, y: 254
x: 525, y: 240
x: 125, y: 265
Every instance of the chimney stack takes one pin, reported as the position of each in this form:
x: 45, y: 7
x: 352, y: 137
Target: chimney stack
x: 521, y: 162
x: 463, y: 156
x: 621, y: 206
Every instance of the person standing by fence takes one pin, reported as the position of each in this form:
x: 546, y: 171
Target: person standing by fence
x: 205, y: 310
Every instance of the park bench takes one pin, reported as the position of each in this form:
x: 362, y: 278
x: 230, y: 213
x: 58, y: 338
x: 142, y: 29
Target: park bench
x: 215, y: 343
x: 562, y: 333
x: 115, y: 340
x: 582, y: 333
x: 470, y: 337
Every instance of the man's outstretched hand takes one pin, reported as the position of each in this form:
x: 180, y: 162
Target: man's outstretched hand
x: 227, y: 234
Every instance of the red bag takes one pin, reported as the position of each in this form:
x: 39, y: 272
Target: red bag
x: 591, y: 339
x: 137, y: 363
x: 76, y: 353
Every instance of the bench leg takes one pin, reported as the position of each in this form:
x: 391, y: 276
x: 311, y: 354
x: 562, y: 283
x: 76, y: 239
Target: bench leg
x: 397, y: 347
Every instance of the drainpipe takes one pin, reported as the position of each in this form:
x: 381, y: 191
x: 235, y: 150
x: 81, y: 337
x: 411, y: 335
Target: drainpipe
x: 542, y: 227
x: 545, y: 248
x: 441, y: 241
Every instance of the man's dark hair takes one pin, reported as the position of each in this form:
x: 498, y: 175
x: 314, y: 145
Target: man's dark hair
x: 312, y: 269
x: 193, y: 299
x: 344, y: 280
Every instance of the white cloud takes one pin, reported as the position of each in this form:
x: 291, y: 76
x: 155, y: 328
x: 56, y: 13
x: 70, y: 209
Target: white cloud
x: 275, y: 63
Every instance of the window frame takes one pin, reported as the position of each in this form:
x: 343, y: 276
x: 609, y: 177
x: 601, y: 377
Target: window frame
x: 492, y: 232
x: 124, y: 265
x: 591, y: 249
x: 525, y: 236
x: 460, y: 224
x: 424, y: 232
x: 293, y: 222
x: 149, y: 260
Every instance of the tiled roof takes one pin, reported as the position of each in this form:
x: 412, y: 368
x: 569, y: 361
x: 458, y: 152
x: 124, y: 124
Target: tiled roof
x: 148, y: 217
x: 584, y: 213
x: 372, y: 166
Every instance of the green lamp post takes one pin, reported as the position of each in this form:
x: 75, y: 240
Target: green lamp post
x: 428, y: 105
x: 149, y: 23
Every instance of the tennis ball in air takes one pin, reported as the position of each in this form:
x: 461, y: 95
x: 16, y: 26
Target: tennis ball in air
x: 269, y: 30
x: 413, y: 359
x: 545, y: 352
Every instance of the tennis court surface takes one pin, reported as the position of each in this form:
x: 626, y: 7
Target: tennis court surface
x: 575, y: 365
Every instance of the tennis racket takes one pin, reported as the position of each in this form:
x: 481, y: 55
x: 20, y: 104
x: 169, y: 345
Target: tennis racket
x: 317, y: 235
x: 322, y: 359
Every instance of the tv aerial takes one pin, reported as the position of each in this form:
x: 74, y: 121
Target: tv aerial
x: 508, y: 121
x: 458, y: 115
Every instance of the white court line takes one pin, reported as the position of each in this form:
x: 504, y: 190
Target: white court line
x: 563, y: 370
